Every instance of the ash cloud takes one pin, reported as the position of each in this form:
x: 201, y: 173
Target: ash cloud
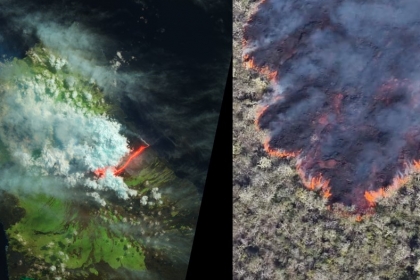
x: 70, y: 143
x: 349, y: 73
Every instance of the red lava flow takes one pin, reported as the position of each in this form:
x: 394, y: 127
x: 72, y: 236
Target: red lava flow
x: 100, y: 172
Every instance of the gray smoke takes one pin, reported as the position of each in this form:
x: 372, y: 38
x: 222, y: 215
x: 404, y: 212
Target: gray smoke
x: 349, y: 73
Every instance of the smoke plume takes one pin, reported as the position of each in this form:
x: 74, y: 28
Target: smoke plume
x: 347, y: 98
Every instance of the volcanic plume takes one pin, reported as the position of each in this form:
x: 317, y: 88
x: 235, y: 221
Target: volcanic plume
x: 347, y: 76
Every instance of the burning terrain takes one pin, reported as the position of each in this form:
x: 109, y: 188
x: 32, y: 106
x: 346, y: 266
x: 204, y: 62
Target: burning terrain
x: 346, y: 99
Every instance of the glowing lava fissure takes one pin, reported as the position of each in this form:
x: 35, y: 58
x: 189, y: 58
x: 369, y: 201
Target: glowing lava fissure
x: 100, y: 172
x: 350, y: 101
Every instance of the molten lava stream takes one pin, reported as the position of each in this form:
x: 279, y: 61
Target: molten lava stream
x: 135, y: 154
x: 100, y: 172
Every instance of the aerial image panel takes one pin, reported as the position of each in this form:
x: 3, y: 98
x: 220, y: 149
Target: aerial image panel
x: 108, y: 113
x: 327, y: 138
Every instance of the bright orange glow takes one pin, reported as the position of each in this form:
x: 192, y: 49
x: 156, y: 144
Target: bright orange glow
x: 260, y: 111
x: 327, y: 192
x: 373, y: 196
x: 100, y: 172
x: 135, y: 154
x: 270, y: 74
x: 249, y: 64
x: 278, y: 153
x: 416, y: 165
x: 326, y: 165
x: 316, y: 183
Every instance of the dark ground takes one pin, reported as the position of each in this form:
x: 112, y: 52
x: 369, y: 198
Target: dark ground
x: 3, y: 260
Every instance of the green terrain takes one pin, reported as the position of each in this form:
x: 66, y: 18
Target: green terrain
x: 71, y: 236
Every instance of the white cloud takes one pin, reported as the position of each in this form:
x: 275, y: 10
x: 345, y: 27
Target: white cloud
x: 52, y: 138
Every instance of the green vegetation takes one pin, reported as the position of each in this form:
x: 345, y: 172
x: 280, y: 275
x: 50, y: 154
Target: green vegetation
x: 52, y: 232
x: 68, y: 238
x: 46, y: 73
x: 57, y: 238
x: 156, y: 174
